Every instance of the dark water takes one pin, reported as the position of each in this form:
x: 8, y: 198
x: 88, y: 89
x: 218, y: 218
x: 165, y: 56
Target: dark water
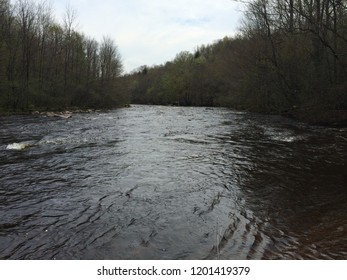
x: 153, y: 182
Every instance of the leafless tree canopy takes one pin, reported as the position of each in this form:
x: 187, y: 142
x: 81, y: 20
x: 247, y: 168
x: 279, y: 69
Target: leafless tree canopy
x: 48, y: 65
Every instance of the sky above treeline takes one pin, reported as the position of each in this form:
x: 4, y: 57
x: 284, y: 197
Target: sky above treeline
x: 151, y: 32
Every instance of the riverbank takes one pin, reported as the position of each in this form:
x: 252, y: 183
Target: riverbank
x: 63, y: 113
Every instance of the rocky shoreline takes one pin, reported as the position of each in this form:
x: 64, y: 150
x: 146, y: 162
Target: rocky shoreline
x: 66, y: 114
x: 60, y: 113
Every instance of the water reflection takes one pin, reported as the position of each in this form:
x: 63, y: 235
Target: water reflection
x: 299, y: 188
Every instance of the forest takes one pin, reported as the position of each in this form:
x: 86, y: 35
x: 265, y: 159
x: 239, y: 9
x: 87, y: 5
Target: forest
x: 289, y: 57
x: 46, y: 65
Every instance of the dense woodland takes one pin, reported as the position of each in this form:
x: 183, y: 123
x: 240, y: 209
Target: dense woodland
x: 289, y: 57
x: 46, y: 65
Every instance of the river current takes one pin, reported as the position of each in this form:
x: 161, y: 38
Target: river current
x: 153, y: 182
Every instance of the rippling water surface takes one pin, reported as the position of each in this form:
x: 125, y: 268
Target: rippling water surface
x: 151, y: 182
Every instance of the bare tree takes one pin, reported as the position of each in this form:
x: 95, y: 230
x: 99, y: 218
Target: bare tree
x: 110, y: 60
x: 69, y: 20
x: 92, y: 56
x: 44, y: 23
x: 26, y: 18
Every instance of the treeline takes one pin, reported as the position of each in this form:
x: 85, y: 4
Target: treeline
x: 44, y: 64
x: 289, y: 57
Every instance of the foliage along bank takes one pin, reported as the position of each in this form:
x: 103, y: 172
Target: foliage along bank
x: 46, y: 65
x: 290, y: 57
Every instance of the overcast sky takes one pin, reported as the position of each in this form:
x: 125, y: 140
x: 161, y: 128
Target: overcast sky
x: 151, y: 32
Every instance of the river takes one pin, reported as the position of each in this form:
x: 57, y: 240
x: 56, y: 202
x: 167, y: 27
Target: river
x: 153, y: 182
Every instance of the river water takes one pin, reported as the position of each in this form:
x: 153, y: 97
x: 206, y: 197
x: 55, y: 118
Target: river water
x: 152, y: 182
